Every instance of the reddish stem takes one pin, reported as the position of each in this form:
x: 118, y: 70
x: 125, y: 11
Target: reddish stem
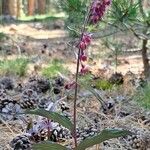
x: 75, y: 100
x: 49, y: 132
x: 76, y: 81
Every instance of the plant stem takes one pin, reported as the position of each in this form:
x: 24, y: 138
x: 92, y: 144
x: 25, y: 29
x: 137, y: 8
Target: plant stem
x: 116, y: 60
x: 75, y: 100
x: 86, y: 19
x: 49, y: 132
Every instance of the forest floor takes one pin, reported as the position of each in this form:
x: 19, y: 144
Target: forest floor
x: 42, y: 45
x: 33, y: 36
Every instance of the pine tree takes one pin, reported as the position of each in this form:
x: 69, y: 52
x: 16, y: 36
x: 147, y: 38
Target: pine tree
x: 41, y: 6
x: 31, y: 7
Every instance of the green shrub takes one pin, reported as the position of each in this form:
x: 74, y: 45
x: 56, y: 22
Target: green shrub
x: 54, y: 68
x: 143, y: 96
x: 103, y: 84
x: 2, y: 36
x: 14, y: 67
x: 86, y: 80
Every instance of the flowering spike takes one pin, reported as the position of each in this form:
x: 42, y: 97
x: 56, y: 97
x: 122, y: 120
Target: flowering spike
x: 98, y: 9
x: 85, y: 41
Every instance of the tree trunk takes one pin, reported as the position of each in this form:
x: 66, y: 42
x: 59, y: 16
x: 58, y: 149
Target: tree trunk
x: 0, y: 7
x: 12, y: 8
x: 146, y: 4
x: 42, y: 6
x: 145, y: 59
x: 18, y: 8
x: 5, y: 7
x: 31, y: 7
x: 9, y: 7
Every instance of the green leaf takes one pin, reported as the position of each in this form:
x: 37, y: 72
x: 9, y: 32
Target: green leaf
x: 103, y: 136
x: 48, y: 146
x: 53, y: 116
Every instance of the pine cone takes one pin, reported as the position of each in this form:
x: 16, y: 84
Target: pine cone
x: 29, y: 93
x: 38, y: 137
x: 109, y: 107
x: 43, y: 102
x: 116, y: 78
x: 141, y: 82
x: 140, y: 140
x: 39, y: 85
x: 19, y: 87
x: 10, y: 108
x: 137, y: 142
x: 59, y: 133
x: 86, y: 132
x: 7, y: 83
x: 21, y: 143
x: 56, y: 90
x: 64, y: 107
x: 28, y: 104
x: 54, y: 136
x: 29, y: 99
x: 43, y: 84
x: 59, y: 81
x: 58, y: 85
x: 3, y: 94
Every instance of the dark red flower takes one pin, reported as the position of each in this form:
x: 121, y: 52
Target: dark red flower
x: 107, y: 2
x: 98, y: 9
x: 82, y: 45
x: 86, y: 38
x: 83, y: 57
x: 84, y: 70
x: 70, y: 85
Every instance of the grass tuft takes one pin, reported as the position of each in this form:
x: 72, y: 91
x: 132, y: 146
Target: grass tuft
x: 103, y: 85
x: 15, y: 67
x: 143, y: 96
x: 54, y: 68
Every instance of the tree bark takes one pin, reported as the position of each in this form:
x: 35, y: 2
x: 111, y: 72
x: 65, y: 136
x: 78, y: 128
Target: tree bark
x: 42, y: 6
x: 145, y: 59
x: 5, y: 7
x: 18, y: 8
x: 9, y: 8
x: 31, y: 7
x: 12, y: 8
x: 1, y: 8
x: 146, y: 4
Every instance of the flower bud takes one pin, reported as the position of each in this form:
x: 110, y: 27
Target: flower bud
x: 107, y: 2
x: 84, y: 70
x: 83, y: 57
x: 82, y: 45
x: 70, y: 85
x: 86, y: 39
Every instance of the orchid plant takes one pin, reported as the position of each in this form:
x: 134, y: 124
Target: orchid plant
x: 94, y: 15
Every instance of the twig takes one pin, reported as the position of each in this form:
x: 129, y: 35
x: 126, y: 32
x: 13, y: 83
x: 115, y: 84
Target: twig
x: 7, y: 126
